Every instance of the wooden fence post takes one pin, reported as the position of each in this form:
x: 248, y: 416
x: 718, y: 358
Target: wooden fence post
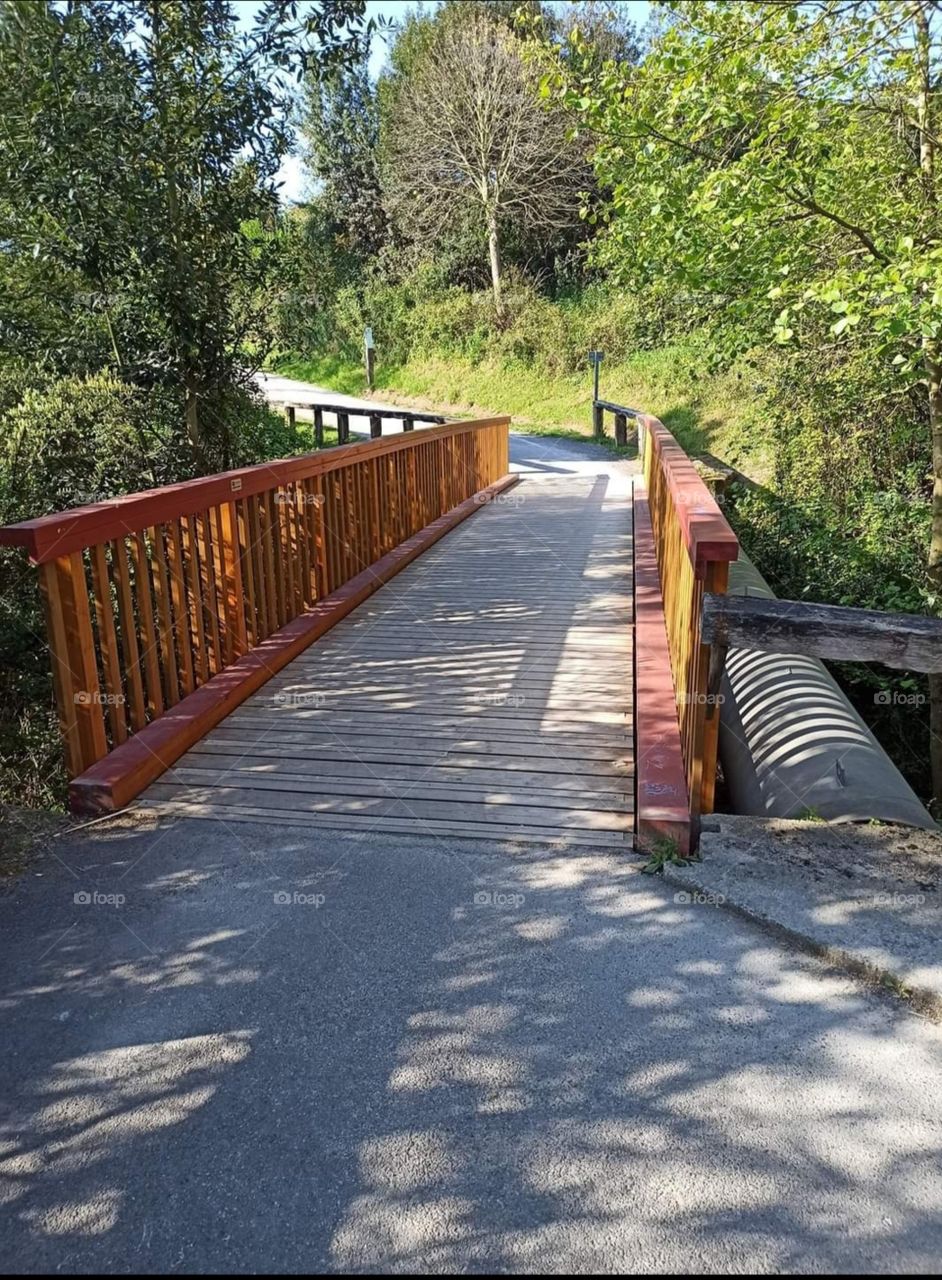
x: 74, y: 670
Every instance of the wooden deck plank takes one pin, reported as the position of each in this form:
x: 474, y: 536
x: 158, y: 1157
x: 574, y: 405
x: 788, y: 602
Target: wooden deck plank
x: 487, y: 692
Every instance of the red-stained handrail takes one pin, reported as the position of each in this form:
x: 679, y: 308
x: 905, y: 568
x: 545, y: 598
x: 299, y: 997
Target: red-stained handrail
x: 694, y: 546
x: 153, y: 596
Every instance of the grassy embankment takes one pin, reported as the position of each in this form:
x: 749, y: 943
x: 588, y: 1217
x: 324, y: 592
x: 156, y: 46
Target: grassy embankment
x: 707, y: 412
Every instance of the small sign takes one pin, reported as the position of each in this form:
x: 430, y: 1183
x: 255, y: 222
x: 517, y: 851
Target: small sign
x: 368, y: 338
x: 596, y: 357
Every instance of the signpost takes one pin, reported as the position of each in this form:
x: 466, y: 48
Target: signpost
x: 595, y: 359
x: 369, y: 355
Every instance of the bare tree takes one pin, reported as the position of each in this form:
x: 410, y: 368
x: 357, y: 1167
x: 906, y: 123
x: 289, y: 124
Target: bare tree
x: 470, y: 136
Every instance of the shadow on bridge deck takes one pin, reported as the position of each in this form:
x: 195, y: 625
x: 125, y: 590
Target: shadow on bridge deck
x: 485, y: 692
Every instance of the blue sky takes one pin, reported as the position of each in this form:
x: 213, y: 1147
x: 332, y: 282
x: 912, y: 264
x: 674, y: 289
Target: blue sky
x: 292, y: 174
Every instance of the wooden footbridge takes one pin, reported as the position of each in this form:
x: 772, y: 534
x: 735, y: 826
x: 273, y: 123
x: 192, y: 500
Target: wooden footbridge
x: 395, y: 635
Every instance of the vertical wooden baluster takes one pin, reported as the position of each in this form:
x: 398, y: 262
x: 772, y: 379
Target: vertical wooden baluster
x: 320, y: 539
x: 413, y: 494
x: 376, y: 545
x: 258, y: 567
x: 268, y: 531
x: 717, y: 583
x: 74, y: 670
x: 129, y: 646
x: 297, y: 540
x: 306, y: 527
x: 181, y: 609
x: 149, y: 639
x: 197, y: 629
x: 210, y: 599
x: 362, y: 516
x: 273, y: 506
x: 248, y: 571
x: 232, y: 578
x: 158, y: 567
x: 287, y: 550
x: 392, y: 506
x: 220, y: 592
x: 335, y: 529
x: 441, y: 459
x: 350, y: 523
x: 108, y: 644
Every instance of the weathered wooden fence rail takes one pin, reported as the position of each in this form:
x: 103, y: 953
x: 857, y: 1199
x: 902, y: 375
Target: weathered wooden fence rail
x: 151, y: 597
x: 344, y: 412
x: 693, y: 546
x: 905, y: 641
x: 622, y: 416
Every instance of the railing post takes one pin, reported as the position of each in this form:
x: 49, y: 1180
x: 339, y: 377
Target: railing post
x: 343, y: 428
x: 376, y: 426
x: 318, y: 427
x: 716, y: 583
x: 621, y: 430
x: 598, y: 420
x: 232, y: 578
x: 408, y: 423
x: 74, y: 670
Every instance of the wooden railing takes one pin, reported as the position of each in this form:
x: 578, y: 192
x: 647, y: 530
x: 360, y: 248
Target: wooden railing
x: 694, y: 546
x: 621, y: 413
x: 150, y: 596
x: 343, y: 413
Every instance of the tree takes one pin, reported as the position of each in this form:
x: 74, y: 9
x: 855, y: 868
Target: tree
x: 783, y: 156
x: 341, y: 131
x: 141, y: 142
x: 470, y: 138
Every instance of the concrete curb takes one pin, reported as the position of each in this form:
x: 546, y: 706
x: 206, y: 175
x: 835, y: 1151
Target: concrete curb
x: 922, y: 1000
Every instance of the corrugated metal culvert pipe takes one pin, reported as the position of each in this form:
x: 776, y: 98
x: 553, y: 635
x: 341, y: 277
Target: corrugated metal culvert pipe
x: 792, y: 745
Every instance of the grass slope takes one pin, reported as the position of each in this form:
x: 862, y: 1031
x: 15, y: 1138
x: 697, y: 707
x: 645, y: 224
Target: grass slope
x: 708, y: 412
